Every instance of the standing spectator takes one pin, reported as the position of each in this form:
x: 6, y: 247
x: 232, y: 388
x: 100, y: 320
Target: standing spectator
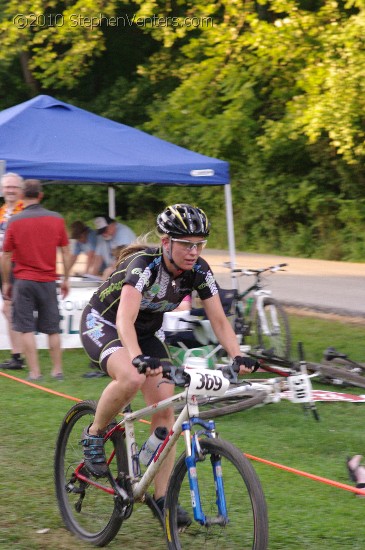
x: 31, y: 241
x: 114, y: 235
x: 12, y: 191
x: 85, y: 242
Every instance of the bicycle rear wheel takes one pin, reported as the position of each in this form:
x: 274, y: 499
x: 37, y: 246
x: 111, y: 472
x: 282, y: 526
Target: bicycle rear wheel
x: 273, y: 332
x: 92, y: 514
x: 210, y: 408
x: 337, y: 374
x: 247, y: 527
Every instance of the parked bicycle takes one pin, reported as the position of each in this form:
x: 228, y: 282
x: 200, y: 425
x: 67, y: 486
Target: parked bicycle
x: 336, y: 369
x: 260, y: 316
x: 224, y: 492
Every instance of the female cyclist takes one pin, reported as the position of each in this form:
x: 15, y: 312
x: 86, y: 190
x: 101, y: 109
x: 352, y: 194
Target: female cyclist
x: 118, y: 326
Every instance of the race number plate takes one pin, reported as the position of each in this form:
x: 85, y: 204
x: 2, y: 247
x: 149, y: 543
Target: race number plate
x: 206, y: 382
x: 301, y: 388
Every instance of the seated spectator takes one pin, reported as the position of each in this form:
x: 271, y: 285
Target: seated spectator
x: 109, y: 270
x: 114, y: 235
x: 85, y: 241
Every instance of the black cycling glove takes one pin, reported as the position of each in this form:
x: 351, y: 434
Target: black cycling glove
x: 142, y: 362
x: 247, y: 362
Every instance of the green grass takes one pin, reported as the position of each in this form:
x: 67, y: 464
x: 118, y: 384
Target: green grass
x: 304, y: 514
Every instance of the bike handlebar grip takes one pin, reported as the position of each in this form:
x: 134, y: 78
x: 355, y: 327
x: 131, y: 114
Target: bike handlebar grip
x: 142, y: 362
x: 230, y: 371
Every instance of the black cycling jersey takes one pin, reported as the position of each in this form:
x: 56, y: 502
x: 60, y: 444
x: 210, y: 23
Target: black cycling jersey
x: 146, y: 271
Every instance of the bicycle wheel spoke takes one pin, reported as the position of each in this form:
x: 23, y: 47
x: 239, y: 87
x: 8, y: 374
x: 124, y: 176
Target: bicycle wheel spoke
x: 92, y: 513
x: 246, y: 527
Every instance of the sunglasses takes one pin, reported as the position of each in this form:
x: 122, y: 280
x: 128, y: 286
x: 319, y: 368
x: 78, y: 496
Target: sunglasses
x: 188, y: 246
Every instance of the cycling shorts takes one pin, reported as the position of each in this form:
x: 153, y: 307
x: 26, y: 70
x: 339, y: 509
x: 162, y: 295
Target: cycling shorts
x: 100, y: 339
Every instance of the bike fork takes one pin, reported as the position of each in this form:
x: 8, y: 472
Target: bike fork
x: 194, y: 454
x: 263, y: 319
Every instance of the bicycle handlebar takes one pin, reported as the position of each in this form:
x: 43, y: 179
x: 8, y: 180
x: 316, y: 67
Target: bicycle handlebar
x: 272, y: 268
x: 180, y: 377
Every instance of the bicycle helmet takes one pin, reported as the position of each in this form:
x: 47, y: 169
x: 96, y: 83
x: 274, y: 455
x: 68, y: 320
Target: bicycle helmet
x: 183, y: 220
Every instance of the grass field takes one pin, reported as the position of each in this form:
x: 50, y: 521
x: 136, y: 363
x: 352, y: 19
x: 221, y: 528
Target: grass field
x: 304, y: 514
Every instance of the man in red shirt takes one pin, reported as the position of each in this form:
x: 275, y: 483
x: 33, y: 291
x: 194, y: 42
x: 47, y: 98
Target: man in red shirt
x: 31, y: 241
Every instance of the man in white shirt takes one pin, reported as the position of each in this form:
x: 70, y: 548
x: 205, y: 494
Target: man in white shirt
x: 114, y: 236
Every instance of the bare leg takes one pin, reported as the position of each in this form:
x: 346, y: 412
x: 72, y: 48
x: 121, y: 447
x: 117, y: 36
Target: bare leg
x: 31, y: 353
x: 354, y: 462
x: 15, y: 338
x: 121, y: 390
x: 152, y: 394
x: 55, y: 351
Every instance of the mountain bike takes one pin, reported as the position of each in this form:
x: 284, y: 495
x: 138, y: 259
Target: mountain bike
x: 211, y: 477
x: 260, y: 316
x: 336, y: 369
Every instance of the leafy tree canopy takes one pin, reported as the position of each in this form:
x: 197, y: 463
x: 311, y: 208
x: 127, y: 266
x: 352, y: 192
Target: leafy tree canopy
x: 276, y: 88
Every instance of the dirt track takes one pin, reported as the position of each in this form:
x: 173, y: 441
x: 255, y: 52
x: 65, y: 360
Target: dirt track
x: 296, y: 266
x: 328, y: 289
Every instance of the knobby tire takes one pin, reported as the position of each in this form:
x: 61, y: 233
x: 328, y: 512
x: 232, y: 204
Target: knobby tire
x: 96, y: 518
x: 248, y: 523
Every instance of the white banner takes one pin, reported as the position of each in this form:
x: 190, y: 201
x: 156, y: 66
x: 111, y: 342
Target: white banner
x: 70, y: 310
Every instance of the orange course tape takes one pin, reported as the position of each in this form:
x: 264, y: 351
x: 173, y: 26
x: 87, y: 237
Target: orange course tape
x: 360, y: 492
x: 306, y: 474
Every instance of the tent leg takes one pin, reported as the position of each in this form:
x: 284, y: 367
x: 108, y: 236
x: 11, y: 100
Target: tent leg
x: 111, y: 201
x: 230, y: 229
x: 2, y: 168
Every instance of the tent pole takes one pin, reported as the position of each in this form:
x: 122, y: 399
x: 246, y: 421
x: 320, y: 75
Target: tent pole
x: 111, y: 201
x: 230, y: 229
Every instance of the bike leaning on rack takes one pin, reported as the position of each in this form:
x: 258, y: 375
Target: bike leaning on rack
x: 212, y: 477
x: 260, y: 316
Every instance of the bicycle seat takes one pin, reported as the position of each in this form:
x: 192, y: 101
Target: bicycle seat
x: 331, y: 353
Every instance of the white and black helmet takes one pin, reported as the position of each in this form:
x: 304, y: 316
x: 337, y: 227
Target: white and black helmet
x: 183, y: 220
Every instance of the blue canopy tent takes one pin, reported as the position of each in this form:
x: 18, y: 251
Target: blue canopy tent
x: 51, y: 140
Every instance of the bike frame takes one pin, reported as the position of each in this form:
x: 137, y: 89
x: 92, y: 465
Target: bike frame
x: 257, y: 286
x: 185, y: 423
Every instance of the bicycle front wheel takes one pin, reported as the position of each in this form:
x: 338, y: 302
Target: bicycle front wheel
x: 272, y: 325
x: 94, y: 515
x: 247, y: 525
